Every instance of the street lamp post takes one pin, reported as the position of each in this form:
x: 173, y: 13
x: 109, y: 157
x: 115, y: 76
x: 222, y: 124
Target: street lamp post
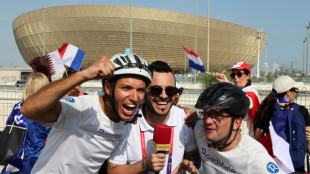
x: 43, y: 32
x: 304, y: 57
x: 130, y: 27
x: 259, y: 36
x: 307, y: 57
x: 208, y: 52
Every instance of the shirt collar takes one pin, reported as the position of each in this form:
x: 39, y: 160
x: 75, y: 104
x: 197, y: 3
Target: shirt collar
x: 172, y: 121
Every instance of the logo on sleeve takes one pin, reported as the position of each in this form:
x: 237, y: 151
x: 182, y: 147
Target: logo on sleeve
x: 69, y: 99
x: 272, y: 168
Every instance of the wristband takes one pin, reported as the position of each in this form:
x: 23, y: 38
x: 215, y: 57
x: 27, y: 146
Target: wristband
x: 143, y: 165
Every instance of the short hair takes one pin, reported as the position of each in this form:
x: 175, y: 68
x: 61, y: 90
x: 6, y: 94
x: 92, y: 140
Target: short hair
x: 34, y: 83
x: 160, y: 66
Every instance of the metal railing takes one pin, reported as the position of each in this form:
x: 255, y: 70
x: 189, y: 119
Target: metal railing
x: 10, y: 95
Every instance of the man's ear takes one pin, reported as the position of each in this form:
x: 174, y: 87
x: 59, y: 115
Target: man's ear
x: 237, y: 123
x: 107, y: 87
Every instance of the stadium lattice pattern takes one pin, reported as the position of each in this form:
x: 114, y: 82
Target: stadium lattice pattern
x: 157, y: 34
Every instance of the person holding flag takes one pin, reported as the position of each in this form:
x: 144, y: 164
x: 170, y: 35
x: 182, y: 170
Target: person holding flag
x: 240, y: 74
x: 55, y: 62
x: 280, y: 125
x: 87, y: 128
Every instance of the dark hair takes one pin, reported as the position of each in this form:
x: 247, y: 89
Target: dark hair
x: 249, y: 80
x: 160, y: 66
x: 266, y: 111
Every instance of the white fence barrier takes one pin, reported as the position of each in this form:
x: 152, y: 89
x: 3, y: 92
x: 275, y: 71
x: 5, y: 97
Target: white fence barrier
x: 10, y: 95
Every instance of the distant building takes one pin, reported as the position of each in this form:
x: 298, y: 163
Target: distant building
x: 284, y: 69
x: 275, y: 68
x: 294, y: 67
x: 14, y: 74
x: 266, y: 68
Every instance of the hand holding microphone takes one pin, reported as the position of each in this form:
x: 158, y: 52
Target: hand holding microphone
x: 161, y: 143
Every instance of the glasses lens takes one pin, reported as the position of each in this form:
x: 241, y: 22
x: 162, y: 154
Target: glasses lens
x: 239, y: 74
x: 156, y: 90
x: 216, y: 117
x: 232, y: 75
x: 180, y: 91
x: 171, y: 91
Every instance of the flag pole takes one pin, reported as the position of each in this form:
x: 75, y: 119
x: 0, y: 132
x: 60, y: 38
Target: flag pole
x: 195, y: 33
x: 208, y: 51
x: 130, y: 45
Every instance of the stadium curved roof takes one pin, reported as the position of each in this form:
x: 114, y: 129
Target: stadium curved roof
x: 156, y: 34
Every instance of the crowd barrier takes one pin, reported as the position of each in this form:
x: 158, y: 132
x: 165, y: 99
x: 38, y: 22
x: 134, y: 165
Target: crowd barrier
x: 10, y: 94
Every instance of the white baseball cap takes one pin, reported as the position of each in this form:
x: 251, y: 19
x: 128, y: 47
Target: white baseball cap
x: 283, y: 84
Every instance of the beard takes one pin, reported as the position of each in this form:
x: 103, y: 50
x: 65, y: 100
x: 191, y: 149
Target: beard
x: 161, y: 112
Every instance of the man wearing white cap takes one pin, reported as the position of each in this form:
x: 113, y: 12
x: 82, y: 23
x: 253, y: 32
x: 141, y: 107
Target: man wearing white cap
x: 280, y: 123
x: 240, y: 74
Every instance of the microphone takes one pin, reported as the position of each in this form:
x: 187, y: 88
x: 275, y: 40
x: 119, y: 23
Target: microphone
x: 162, y: 138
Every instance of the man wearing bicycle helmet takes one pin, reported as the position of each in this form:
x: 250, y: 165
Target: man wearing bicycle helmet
x: 134, y: 153
x: 240, y: 75
x: 87, y: 128
x: 223, y: 148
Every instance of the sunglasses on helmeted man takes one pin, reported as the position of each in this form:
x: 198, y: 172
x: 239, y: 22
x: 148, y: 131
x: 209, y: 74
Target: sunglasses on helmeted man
x: 239, y: 74
x: 157, y: 90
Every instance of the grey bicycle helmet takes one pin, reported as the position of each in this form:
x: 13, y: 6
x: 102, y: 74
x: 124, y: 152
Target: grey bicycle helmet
x: 225, y: 97
x: 131, y: 64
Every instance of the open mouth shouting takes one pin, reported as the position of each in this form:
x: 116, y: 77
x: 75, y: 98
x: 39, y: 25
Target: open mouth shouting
x: 129, y: 109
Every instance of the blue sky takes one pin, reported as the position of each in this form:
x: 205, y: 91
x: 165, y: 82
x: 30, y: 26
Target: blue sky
x: 284, y: 21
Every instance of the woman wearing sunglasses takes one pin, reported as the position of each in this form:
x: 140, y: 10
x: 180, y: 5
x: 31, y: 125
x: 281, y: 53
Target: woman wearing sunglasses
x: 240, y: 75
x: 278, y: 113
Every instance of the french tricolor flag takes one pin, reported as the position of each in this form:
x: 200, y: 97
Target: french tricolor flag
x: 68, y: 55
x: 281, y: 134
x: 194, y: 60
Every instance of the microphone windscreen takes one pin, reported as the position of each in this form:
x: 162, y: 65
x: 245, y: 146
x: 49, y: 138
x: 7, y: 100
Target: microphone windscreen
x: 162, y: 137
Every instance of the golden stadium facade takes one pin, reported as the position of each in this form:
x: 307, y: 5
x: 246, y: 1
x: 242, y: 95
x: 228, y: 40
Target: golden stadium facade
x: 156, y: 34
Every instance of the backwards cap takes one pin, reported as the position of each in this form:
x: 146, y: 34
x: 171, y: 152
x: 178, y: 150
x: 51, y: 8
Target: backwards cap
x: 241, y: 66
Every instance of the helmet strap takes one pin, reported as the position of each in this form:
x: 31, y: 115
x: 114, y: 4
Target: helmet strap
x: 112, y: 102
x: 212, y: 145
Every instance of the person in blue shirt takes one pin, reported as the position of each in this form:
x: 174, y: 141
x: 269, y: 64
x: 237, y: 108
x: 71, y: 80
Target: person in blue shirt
x: 36, y: 133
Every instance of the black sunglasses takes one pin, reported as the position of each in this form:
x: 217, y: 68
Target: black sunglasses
x: 157, y: 90
x: 180, y: 91
x: 296, y: 90
x: 239, y: 74
x: 216, y: 117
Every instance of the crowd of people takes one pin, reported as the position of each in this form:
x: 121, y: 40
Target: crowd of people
x: 112, y: 131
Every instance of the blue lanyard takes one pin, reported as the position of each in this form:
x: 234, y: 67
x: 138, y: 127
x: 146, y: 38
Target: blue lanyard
x: 283, y: 100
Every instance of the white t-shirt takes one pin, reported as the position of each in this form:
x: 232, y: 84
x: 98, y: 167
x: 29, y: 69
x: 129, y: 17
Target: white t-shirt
x: 129, y: 151
x: 81, y: 140
x: 249, y: 156
x: 247, y: 123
